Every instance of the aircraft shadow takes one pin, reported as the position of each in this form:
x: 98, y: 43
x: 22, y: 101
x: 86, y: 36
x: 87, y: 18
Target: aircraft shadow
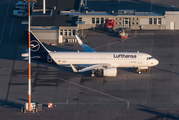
x: 132, y: 70
x: 10, y: 104
x: 159, y: 115
x: 166, y: 71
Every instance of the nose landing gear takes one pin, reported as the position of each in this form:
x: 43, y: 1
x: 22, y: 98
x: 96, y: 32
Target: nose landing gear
x: 139, y: 70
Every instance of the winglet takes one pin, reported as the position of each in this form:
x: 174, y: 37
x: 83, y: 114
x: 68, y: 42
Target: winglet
x: 85, y: 47
x: 73, y: 68
x: 79, y: 41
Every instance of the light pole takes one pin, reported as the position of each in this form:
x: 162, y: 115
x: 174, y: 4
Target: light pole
x: 29, y: 73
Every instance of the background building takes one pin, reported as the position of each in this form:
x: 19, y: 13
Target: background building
x: 53, y: 27
x: 58, y: 25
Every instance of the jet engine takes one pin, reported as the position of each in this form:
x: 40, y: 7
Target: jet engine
x: 110, y: 72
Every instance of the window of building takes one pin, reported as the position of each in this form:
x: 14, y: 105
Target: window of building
x: 102, y: 20
x: 61, y: 32
x: 69, y: 32
x: 150, y: 20
x: 159, y: 21
x: 97, y: 20
x: 120, y: 23
x: 132, y: 23
x: 93, y: 20
x: 80, y: 19
x: 126, y: 22
x: 133, y: 19
x: 155, y: 20
x: 65, y: 32
x: 136, y: 23
x: 106, y: 20
x: 74, y: 32
x: 137, y: 19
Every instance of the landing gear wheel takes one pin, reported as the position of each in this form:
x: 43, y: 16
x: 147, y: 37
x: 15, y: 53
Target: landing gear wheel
x: 139, y: 70
x: 92, y: 74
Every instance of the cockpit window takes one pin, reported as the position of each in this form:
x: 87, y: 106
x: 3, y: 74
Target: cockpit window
x: 148, y: 58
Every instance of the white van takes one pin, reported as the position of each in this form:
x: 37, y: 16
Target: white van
x: 21, y: 6
x: 20, y: 13
x: 21, y: 2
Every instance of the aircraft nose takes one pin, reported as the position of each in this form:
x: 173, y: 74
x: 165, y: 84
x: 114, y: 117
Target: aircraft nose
x: 156, y: 62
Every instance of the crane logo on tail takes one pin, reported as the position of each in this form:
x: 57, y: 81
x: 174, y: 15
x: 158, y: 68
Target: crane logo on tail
x: 34, y: 45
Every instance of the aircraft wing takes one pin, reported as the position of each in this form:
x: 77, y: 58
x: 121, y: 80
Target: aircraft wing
x: 34, y: 57
x: 92, y: 67
x: 85, y: 47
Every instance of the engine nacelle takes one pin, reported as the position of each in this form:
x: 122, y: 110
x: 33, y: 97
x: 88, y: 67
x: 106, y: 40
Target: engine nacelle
x: 110, y: 72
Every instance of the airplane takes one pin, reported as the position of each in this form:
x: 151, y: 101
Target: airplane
x: 91, y: 60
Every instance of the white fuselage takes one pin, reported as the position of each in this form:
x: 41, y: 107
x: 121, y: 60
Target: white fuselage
x: 115, y: 59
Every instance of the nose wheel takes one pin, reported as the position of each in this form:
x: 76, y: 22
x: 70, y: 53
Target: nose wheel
x: 138, y: 70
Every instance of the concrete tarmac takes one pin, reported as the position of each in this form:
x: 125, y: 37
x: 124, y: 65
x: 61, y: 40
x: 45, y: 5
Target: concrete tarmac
x: 152, y: 93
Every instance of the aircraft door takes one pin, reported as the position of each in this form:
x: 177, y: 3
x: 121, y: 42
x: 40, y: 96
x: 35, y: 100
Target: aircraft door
x: 139, y: 59
x: 49, y: 59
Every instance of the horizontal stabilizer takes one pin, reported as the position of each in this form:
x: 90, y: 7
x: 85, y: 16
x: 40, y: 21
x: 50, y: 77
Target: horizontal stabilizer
x: 25, y: 54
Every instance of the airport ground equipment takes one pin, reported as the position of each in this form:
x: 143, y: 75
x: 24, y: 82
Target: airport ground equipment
x: 39, y: 107
x: 122, y: 33
x: 50, y: 105
x: 25, y: 109
x: 110, y: 24
x: 34, y: 107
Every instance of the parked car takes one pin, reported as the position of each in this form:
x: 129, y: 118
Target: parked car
x: 23, y: 5
x: 20, y: 13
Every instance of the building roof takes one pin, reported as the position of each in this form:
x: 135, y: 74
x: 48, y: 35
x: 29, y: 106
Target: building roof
x: 138, y: 5
x: 56, y: 19
x: 77, y: 13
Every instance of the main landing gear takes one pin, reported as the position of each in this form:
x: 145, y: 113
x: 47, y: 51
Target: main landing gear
x: 93, y: 74
x: 139, y: 70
